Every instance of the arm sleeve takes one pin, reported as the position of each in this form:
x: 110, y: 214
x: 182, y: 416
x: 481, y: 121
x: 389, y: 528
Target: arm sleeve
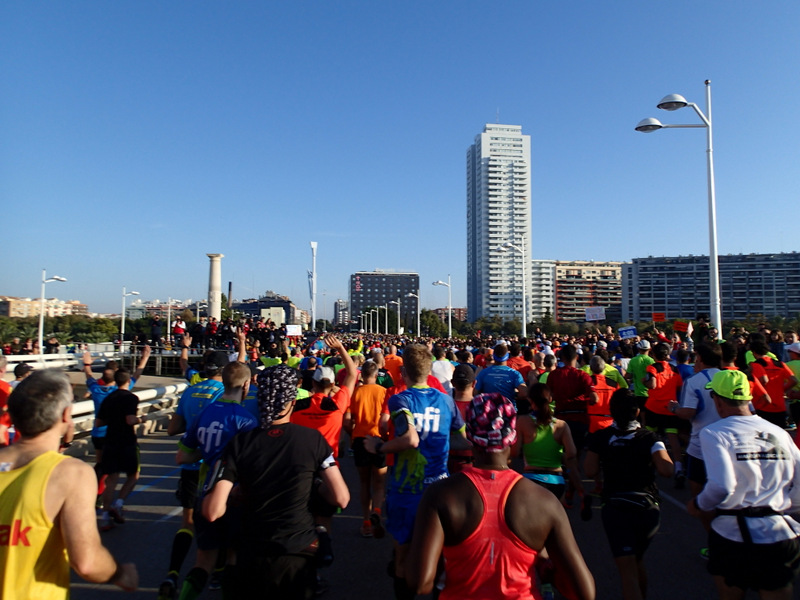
x: 401, y: 416
x: 721, y: 479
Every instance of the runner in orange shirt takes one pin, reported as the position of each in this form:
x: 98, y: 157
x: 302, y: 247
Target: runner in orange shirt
x: 663, y: 383
x: 361, y: 420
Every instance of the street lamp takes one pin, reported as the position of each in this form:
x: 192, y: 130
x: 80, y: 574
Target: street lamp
x: 198, y: 306
x: 674, y: 102
x: 521, y: 250
x: 449, y: 305
x: 374, y: 328
x: 412, y: 295
x: 398, y: 315
x: 122, y: 324
x: 386, y: 319
x: 41, y: 307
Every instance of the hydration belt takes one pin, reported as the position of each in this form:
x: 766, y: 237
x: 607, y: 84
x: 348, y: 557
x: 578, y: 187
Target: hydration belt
x: 753, y: 512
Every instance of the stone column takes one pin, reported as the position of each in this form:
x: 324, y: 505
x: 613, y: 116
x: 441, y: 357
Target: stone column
x: 215, y: 286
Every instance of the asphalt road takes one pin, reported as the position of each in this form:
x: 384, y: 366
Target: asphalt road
x: 674, y: 565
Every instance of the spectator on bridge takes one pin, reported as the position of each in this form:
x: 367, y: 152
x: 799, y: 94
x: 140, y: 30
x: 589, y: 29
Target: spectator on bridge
x: 156, y: 334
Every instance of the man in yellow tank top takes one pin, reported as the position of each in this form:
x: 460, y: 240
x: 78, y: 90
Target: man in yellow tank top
x: 42, y: 491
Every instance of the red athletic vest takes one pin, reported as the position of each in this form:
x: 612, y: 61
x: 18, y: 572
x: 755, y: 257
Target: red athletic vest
x: 492, y: 562
x: 599, y: 413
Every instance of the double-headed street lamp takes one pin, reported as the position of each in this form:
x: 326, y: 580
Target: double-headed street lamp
x: 521, y: 250
x: 449, y: 305
x: 412, y: 295
x: 122, y: 325
x: 674, y: 102
x: 41, y: 307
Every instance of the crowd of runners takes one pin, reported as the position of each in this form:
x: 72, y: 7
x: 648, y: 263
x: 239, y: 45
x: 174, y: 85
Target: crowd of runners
x: 468, y: 452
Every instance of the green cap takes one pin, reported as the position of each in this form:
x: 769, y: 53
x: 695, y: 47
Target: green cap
x: 731, y: 384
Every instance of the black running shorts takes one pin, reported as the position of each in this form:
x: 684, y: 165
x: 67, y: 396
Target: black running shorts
x: 187, y: 488
x: 754, y: 566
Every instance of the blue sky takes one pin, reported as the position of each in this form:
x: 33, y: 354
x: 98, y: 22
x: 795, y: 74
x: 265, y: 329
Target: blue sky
x: 135, y: 137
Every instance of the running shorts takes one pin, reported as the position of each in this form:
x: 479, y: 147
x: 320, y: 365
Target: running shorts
x: 120, y: 459
x: 363, y: 458
x: 754, y: 566
x: 630, y: 525
x: 401, y: 511
x: 696, y: 469
x: 659, y: 423
x: 187, y: 487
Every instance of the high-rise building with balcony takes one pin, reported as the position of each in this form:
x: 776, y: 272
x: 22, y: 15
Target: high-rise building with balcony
x: 582, y: 284
x: 498, y: 212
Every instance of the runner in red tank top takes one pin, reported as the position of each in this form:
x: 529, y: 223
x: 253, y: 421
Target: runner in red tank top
x: 491, y: 523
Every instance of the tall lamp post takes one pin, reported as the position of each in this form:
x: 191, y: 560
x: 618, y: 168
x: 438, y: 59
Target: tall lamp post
x: 398, y: 315
x: 198, y: 306
x: 386, y: 318
x: 521, y: 250
x: 376, y: 326
x: 412, y: 295
x: 41, y: 307
x: 674, y: 102
x: 449, y: 305
x: 122, y: 323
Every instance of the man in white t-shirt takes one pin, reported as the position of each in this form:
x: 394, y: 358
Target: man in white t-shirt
x: 753, y: 484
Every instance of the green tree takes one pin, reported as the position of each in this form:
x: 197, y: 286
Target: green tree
x: 431, y: 324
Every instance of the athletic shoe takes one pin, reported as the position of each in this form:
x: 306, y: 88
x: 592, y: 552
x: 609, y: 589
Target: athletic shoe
x: 568, y: 499
x: 704, y: 553
x: 106, y: 524
x: 680, y: 480
x: 168, y: 589
x: 215, y: 581
x: 377, y: 527
x: 366, y: 529
x: 115, y: 512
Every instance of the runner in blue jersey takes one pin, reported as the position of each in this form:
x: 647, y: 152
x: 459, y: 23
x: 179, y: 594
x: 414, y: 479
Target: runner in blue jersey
x: 206, y: 438
x: 425, y: 420
x: 100, y: 392
x: 192, y: 402
x: 499, y: 378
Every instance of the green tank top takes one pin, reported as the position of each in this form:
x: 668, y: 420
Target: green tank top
x: 544, y: 451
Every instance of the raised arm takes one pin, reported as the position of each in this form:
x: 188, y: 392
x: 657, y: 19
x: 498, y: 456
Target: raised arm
x: 241, y: 337
x: 87, y: 364
x: 350, y: 367
x: 183, y: 361
x: 142, y: 363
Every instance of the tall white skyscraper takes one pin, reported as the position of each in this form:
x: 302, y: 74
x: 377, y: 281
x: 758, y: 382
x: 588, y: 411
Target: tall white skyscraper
x: 498, y: 212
